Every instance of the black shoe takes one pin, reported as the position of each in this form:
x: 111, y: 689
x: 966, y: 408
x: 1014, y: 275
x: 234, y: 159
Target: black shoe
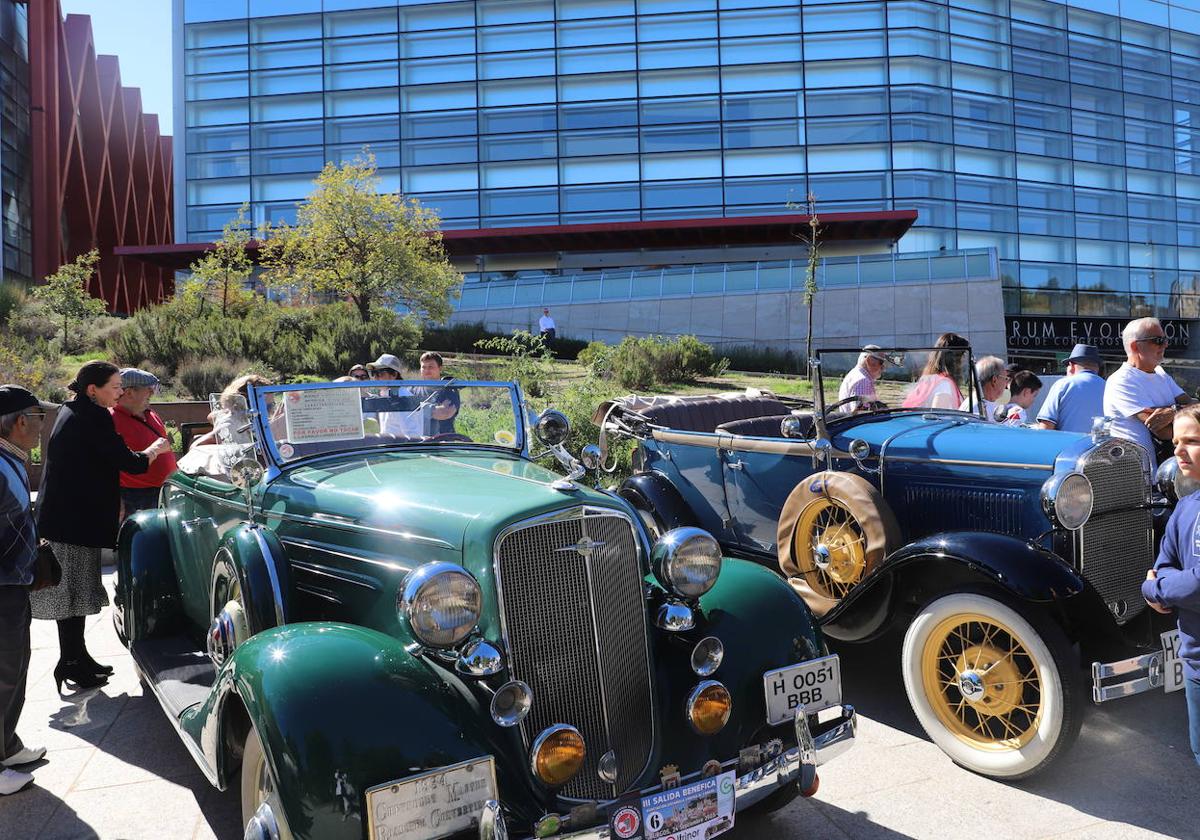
x: 77, y: 673
x: 102, y: 670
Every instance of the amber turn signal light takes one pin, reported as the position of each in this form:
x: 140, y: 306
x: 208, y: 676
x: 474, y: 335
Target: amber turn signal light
x: 708, y: 707
x: 558, y: 754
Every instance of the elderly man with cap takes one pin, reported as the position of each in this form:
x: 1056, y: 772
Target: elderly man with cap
x: 1078, y: 398
x: 21, y: 418
x: 139, y: 426
x: 993, y: 378
x: 860, y: 381
x: 387, y: 368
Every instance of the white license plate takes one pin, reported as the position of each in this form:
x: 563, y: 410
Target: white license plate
x: 815, y: 685
x: 1172, y: 664
x: 432, y: 805
x: 697, y: 811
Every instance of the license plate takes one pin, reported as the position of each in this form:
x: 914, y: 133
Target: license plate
x: 696, y: 811
x: 432, y: 805
x: 1172, y: 664
x: 815, y: 685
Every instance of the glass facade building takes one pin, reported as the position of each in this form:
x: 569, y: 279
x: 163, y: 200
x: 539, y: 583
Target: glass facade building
x: 1066, y: 136
x: 16, y: 254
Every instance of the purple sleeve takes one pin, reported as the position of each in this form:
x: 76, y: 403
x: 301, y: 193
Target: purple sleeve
x: 864, y: 387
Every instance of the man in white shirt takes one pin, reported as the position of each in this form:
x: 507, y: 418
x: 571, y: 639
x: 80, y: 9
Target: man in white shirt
x: 405, y: 424
x: 546, y: 326
x: 1141, y: 396
x: 993, y: 380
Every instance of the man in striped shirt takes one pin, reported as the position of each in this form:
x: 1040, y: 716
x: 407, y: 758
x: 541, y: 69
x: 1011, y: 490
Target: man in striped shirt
x: 860, y: 382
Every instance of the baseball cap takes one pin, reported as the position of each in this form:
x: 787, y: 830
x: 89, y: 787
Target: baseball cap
x: 875, y: 352
x: 14, y: 398
x: 387, y: 360
x: 137, y: 378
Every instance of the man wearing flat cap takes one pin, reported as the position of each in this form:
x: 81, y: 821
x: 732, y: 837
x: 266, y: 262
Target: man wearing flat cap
x: 140, y: 426
x: 1076, y: 399
x: 21, y: 418
x: 860, y: 382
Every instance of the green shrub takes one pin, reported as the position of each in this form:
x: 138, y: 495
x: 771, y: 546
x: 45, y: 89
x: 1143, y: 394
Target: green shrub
x: 465, y: 338
x: 32, y: 365
x: 203, y: 376
x: 597, y: 358
x: 12, y: 299
x: 646, y: 362
x: 529, y: 362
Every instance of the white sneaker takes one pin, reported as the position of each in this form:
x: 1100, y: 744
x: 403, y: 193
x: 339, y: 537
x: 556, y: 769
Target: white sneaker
x: 12, y: 781
x: 25, y: 756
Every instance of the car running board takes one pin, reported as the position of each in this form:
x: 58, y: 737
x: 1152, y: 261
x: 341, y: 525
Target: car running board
x: 180, y: 675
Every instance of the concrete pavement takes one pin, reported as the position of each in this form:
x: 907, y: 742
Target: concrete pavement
x: 116, y: 769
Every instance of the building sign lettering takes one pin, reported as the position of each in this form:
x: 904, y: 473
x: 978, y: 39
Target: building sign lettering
x: 1061, y: 333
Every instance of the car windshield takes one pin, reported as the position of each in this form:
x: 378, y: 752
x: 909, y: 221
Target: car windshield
x: 295, y: 421
x: 858, y: 382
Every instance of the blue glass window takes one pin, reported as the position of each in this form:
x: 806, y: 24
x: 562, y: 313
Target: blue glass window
x: 1095, y: 150
x: 760, y: 22
x: 438, y: 97
x: 1093, y: 49
x: 439, y: 151
x: 918, y: 42
x: 763, y: 134
x: 851, y: 73
x: 387, y: 155
x: 917, y: 13
x: 763, y: 106
x: 520, y: 202
x: 847, y: 17
x: 301, y: 54
x: 986, y: 217
x: 218, y: 165
x: 1100, y: 202
x: 596, y: 32
x: 761, y: 50
x: 427, y: 71
x: 1040, y: 142
x: 1034, y: 37
x: 740, y: 163
x: 287, y: 80
x: 769, y: 191
x: 514, y: 11
x: 516, y: 65
x: 526, y: 36
x: 600, y: 170
x: 1102, y: 279
x: 682, y: 194
x: 920, y: 100
x: 839, y: 45
x: 518, y: 147
x: 275, y: 135
x: 366, y: 48
x: 1043, y: 65
x: 216, y: 34
x: 221, y: 139
x: 217, y: 60
x: 1046, y: 223
x: 370, y: 129
x: 370, y: 101
x: 223, y: 86
x: 1040, y: 117
x: 915, y: 127
x: 692, y: 81
x: 984, y: 135
x: 217, y: 112
x: 598, y: 142
x: 602, y: 59
x: 282, y: 161
x: 509, y: 120
x: 1147, y: 108
x: 837, y: 130
x: 918, y: 184
x: 596, y: 86
x: 440, y: 16
x: 295, y: 28
x: 670, y: 55
x: 676, y: 165
x: 599, y: 198
x: 419, y: 179
x: 598, y: 114
x: 1149, y: 134
x: 587, y: 9
x: 984, y: 108
x: 671, y: 138
x: 782, y: 76
x: 360, y: 22
x: 429, y: 44
x: 677, y: 27
x: 219, y: 191
x: 452, y: 205
x: 866, y: 186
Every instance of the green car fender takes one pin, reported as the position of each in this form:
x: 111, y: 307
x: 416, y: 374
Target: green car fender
x: 147, y: 598
x: 256, y: 557
x: 328, y: 697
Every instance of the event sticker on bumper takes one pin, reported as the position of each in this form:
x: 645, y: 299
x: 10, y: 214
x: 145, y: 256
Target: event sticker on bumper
x: 696, y: 811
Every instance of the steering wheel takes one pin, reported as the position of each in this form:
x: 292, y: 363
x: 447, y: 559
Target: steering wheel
x: 452, y: 437
x: 852, y: 398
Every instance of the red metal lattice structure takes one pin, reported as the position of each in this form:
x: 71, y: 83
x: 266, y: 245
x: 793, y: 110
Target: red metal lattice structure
x: 102, y: 172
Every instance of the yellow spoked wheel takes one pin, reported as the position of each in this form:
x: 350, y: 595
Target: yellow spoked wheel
x: 993, y: 683
x: 832, y: 541
x: 982, y: 682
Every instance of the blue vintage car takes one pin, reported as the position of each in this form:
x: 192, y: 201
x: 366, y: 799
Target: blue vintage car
x: 1011, y: 558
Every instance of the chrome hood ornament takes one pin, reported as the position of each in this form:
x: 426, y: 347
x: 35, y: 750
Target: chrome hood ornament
x: 584, y: 547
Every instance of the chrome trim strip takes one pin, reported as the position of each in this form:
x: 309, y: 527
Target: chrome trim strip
x: 192, y: 747
x: 578, y: 512
x: 1148, y: 667
x: 318, y: 593
x: 312, y: 545
x: 323, y: 571
x: 959, y: 462
x: 276, y: 590
x: 355, y: 527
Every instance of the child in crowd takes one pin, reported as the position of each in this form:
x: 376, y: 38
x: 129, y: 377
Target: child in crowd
x: 1174, y: 582
x: 1024, y: 389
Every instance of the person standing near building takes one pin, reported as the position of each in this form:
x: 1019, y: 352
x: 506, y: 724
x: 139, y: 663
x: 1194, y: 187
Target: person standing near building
x: 1174, y: 581
x: 21, y: 418
x: 1140, y: 395
x: 546, y: 326
x: 139, y: 426
x: 78, y: 505
x: 1074, y: 401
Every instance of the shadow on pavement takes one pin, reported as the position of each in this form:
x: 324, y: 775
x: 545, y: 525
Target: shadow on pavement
x: 1131, y: 764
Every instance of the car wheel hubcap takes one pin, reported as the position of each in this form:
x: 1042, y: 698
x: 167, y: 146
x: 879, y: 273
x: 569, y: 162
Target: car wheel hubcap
x: 982, y: 682
x: 836, y: 545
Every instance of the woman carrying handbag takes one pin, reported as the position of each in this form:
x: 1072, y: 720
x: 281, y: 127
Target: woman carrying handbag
x: 77, y: 512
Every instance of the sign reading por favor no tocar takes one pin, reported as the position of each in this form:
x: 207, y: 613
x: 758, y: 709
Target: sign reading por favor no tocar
x: 1062, y: 333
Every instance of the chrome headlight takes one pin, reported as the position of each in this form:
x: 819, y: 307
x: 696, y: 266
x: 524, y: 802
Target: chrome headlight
x: 440, y: 603
x: 686, y: 561
x: 1067, y: 499
x: 1171, y: 481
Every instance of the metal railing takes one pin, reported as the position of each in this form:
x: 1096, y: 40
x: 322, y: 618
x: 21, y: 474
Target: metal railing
x: 729, y: 278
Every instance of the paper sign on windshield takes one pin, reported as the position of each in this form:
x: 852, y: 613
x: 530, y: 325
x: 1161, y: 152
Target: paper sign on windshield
x: 323, y: 414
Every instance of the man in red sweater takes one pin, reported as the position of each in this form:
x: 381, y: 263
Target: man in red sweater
x: 140, y: 427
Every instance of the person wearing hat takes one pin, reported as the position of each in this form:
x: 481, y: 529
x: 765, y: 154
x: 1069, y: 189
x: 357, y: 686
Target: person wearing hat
x: 1075, y: 400
x: 21, y: 418
x: 79, y: 503
x: 387, y: 368
x: 357, y: 372
x: 860, y: 381
x: 139, y: 426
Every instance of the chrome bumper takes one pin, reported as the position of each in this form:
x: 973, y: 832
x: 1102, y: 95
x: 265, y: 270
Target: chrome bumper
x: 798, y: 765
x: 1141, y: 673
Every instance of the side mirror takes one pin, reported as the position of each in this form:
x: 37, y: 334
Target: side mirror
x: 590, y: 457
x: 552, y: 427
x: 245, y: 474
x: 793, y: 427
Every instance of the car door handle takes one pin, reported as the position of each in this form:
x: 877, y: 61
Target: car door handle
x: 735, y: 465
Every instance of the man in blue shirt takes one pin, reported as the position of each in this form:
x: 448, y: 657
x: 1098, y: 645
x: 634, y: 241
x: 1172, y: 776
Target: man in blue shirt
x: 21, y: 417
x: 1174, y: 582
x: 1078, y: 397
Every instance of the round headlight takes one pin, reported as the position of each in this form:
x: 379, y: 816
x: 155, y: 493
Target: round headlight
x: 557, y: 754
x: 708, y: 707
x: 552, y: 427
x: 441, y: 604
x: 1067, y: 499
x: 686, y: 561
x: 707, y: 656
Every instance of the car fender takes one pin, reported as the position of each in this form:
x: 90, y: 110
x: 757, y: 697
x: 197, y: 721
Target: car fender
x: 951, y: 561
x: 399, y: 715
x: 259, y: 560
x: 652, y: 491
x: 147, y: 602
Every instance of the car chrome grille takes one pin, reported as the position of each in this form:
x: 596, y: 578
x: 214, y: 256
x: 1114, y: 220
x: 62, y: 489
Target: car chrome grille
x: 1116, y: 545
x: 575, y: 625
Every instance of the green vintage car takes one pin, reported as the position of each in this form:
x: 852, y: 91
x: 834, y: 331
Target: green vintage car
x: 377, y: 616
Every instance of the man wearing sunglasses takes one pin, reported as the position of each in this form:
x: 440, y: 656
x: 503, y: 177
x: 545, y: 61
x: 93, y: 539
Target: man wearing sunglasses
x: 1141, y: 395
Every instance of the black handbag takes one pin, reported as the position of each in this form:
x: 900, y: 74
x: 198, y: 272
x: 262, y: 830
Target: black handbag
x: 47, y: 571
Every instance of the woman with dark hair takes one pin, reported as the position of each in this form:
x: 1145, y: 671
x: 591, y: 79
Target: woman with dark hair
x: 77, y: 512
x: 938, y: 385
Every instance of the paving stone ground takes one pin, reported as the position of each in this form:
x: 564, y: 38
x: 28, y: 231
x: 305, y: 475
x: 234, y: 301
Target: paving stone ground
x: 115, y: 769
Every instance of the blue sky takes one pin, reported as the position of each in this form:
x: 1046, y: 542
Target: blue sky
x: 138, y: 32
